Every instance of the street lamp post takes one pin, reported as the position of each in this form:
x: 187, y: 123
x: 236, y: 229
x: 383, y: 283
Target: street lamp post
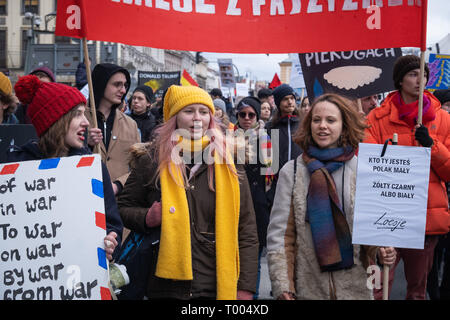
x: 32, y: 32
x: 35, y: 20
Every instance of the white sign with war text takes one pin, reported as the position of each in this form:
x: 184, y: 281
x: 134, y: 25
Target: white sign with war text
x: 52, y: 226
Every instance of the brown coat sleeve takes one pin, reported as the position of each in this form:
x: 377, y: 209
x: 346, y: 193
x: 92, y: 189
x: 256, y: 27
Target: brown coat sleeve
x: 138, y: 194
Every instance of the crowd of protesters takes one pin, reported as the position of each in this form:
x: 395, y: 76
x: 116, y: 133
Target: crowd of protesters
x: 219, y: 187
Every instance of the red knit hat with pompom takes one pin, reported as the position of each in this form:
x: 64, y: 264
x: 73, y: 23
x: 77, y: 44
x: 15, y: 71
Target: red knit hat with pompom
x: 47, y: 102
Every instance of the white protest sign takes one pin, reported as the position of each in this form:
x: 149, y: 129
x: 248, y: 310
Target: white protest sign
x: 391, y: 196
x: 241, y: 89
x: 297, y: 80
x: 85, y: 91
x: 52, y: 226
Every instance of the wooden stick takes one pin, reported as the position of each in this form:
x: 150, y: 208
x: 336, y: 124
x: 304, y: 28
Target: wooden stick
x: 422, y: 86
x: 358, y: 102
x: 385, y: 282
x: 87, y: 62
x: 385, y: 267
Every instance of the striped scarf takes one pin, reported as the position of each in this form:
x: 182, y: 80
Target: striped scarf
x: 330, y: 231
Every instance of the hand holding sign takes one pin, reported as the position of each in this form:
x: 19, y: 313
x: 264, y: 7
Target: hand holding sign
x: 422, y: 136
x: 110, y: 244
x: 387, y: 255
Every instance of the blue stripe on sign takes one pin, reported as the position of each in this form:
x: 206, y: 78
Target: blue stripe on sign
x: 49, y: 164
x: 101, y: 254
x: 97, y: 187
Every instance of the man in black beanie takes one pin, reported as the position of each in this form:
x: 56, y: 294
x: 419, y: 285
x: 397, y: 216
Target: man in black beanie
x: 399, y: 114
x: 141, y: 101
x: 404, y: 65
x: 284, y: 97
x: 286, y: 122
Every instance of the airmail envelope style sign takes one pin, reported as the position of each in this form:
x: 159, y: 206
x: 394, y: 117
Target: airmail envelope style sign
x: 52, y: 226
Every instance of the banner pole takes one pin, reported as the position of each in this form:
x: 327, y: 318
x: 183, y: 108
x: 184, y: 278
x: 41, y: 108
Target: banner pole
x: 385, y: 267
x: 422, y: 86
x: 423, y: 48
x: 359, y: 104
x: 87, y: 62
x: 385, y: 282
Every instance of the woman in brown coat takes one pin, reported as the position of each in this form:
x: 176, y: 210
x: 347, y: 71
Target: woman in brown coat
x: 208, y: 246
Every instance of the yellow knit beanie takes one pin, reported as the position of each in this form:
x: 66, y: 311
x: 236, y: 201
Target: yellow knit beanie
x: 5, y: 84
x: 178, y: 97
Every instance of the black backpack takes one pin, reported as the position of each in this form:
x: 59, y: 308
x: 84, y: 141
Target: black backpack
x: 136, y: 254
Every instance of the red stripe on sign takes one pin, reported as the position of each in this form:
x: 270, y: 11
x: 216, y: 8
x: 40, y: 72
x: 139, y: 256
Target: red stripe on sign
x: 85, y: 162
x: 105, y: 294
x: 9, y: 169
x: 100, y: 220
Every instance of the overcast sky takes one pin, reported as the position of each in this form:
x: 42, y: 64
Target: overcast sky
x: 263, y: 67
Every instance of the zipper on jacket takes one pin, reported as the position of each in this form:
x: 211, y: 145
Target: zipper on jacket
x: 104, y: 130
x: 289, y: 139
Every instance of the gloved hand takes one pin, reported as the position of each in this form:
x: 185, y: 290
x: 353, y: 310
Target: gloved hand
x: 153, y: 216
x: 423, y: 136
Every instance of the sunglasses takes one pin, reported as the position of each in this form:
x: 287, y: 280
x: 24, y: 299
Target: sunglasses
x: 250, y: 115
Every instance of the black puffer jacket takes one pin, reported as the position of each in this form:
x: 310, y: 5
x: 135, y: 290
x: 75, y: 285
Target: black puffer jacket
x: 287, y: 149
x: 146, y: 123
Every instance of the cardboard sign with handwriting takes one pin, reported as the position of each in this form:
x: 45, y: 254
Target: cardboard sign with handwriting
x: 391, y: 196
x: 52, y: 225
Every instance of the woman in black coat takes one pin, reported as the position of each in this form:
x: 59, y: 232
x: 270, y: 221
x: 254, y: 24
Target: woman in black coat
x: 256, y: 160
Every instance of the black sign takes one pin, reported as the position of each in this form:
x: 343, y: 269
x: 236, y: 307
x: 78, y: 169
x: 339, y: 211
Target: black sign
x: 355, y: 74
x: 14, y: 134
x: 158, y: 81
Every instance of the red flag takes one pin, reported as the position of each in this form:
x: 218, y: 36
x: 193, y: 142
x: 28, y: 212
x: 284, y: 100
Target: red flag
x: 187, y: 80
x: 275, y: 82
x: 210, y: 26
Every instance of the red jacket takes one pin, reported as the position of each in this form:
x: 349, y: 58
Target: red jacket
x: 384, y: 122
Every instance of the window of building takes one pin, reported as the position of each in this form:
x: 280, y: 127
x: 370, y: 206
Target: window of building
x: 30, y: 6
x: 62, y: 39
x: 24, y: 46
x: 2, y: 48
x: 2, y: 7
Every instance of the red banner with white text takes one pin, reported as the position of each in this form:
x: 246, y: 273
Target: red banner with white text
x: 244, y: 26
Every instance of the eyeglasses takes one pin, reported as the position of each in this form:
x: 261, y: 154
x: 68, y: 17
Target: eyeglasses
x: 250, y: 115
x: 119, y: 85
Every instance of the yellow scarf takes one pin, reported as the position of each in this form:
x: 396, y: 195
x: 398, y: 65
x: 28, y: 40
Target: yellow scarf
x: 174, y: 259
